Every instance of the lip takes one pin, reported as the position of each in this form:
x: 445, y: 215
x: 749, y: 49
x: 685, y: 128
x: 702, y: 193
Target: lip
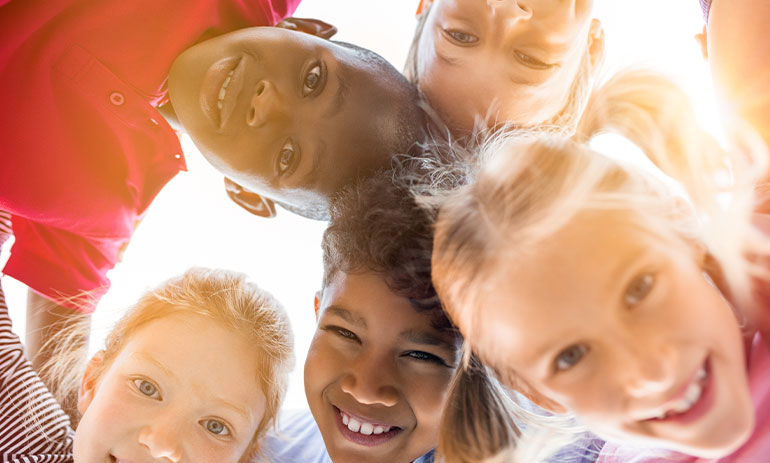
x: 212, y: 84
x: 372, y: 440
x: 699, y: 408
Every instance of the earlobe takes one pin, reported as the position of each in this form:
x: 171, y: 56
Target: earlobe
x: 309, y: 26
x: 595, y: 44
x: 317, y: 303
x: 90, y: 381
x: 252, y: 202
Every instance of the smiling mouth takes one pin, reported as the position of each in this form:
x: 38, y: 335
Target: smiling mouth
x: 221, y: 85
x: 693, y: 403
x: 364, y: 433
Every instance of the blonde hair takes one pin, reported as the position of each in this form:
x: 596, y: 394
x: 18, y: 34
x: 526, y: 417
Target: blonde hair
x: 225, y: 297
x: 565, y: 122
x: 530, y: 186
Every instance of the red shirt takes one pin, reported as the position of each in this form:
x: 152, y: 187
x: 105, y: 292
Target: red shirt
x: 83, y: 151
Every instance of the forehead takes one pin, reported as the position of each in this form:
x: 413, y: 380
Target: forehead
x: 365, y: 300
x: 557, y: 285
x: 198, y: 353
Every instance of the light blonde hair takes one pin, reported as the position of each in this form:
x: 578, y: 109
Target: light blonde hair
x: 225, y: 297
x: 530, y: 186
x: 564, y: 122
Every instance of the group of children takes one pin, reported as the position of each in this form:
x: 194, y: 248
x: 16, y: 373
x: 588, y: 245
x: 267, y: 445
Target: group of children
x: 577, y: 292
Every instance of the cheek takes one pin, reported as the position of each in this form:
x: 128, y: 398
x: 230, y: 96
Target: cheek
x: 322, y: 365
x: 427, y: 395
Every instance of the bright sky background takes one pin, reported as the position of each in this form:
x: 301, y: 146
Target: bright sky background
x: 193, y: 223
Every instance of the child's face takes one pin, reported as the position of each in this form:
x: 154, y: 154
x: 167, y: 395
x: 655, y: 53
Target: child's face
x: 622, y: 328
x: 297, y: 117
x: 183, y: 388
x: 376, y: 373
x: 522, y: 56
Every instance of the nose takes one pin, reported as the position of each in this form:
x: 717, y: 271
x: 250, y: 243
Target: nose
x: 514, y: 9
x: 648, y: 369
x: 371, y: 382
x: 266, y: 105
x: 162, y: 439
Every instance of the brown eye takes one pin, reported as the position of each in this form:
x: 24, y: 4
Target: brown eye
x: 462, y: 38
x: 286, y: 158
x: 569, y: 357
x: 312, y: 80
x: 638, y: 289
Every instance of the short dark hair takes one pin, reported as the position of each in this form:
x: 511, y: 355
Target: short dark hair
x: 377, y: 226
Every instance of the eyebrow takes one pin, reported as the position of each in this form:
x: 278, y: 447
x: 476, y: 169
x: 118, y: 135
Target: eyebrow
x: 421, y: 337
x: 339, y: 97
x: 149, y: 358
x: 346, y: 315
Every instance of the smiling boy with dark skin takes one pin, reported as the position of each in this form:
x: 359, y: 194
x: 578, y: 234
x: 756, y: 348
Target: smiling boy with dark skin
x: 383, y: 354
x: 291, y: 117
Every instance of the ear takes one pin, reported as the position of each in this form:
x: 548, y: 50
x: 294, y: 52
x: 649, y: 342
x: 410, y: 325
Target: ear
x: 595, y: 44
x: 254, y: 203
x: 90, y: 381
x: 309, y: 26
x: 317, y: 303
x: 702, y: 40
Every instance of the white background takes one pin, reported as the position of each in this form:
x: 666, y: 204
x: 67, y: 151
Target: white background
x: 193, y: 223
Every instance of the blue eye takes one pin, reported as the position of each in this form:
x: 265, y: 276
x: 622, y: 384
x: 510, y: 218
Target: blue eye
x: 638, y: 289
x: 147, y: 388
x: 216, y: 427
x: 312, y: 80
x: 569, y: 357
x: 461, y: 38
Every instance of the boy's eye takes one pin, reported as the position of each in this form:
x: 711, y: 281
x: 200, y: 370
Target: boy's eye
x: 286, y: 158
x: 569, y: 357
x: 216, y: 427
x: 425, y: 357
x: 461, y: 38
x: 147, y: 388
x: 638, y: 289
x: 312, y: 79
x: 341, y: 332
x: 531, y: 62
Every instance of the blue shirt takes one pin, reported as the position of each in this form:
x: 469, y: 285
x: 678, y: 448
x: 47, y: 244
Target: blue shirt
x: 298, y: 440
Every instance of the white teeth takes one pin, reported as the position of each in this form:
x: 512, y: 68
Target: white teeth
x: 366, y: 429
x: 223, y: 90
x: 354, y: 425
x: 701, y: 374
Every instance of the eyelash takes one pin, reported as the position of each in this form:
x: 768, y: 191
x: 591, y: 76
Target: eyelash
x: 138, y: 382
x: 531, y: 62
x: 341, y: 332
x: 583, y: 350
x: 426, y: 357
x: 643, y: 283
x: 319, y: 81
x: 288, y: 147
x: 456, y: 37
x: 225, y: 427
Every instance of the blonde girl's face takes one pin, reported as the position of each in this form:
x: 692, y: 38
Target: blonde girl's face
x: 514, y: 60
x: 622, y: 328
x: 182, y: 389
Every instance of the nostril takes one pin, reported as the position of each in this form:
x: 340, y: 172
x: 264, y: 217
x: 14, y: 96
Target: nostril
x: 252, y: 115
x: 260, y: 89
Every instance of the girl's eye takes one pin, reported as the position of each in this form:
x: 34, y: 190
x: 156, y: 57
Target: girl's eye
x: 216, y: 427
x: 147, y: 388
x: 639, y: 288
x: 286, y: 157
x: 425, y: 357
x: 569, y: 357
x: 462, y: 38
x: 531, y: 62
x: 312, y: 80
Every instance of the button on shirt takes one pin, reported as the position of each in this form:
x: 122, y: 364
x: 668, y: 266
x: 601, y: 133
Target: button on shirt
x: 83, y: 149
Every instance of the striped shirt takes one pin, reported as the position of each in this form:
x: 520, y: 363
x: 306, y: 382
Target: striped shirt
x: 33, y: 427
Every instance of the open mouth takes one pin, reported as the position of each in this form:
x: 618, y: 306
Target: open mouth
x: 219, y: 91
x: 694, y: 402
x: 360, y: 431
